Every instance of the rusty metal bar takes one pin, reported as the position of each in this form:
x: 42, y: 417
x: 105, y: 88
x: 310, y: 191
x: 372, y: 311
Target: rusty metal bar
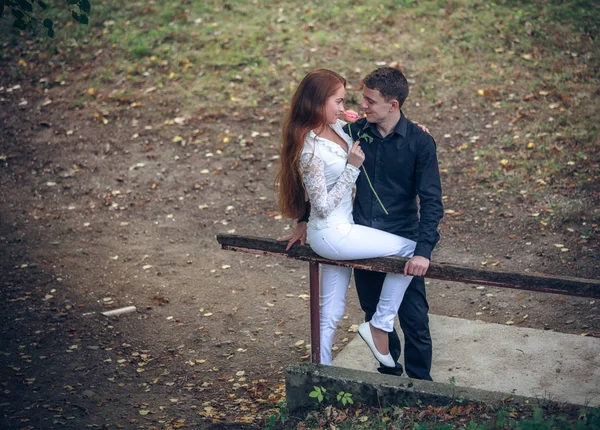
x: 315, y: 314
x: 521, y: 281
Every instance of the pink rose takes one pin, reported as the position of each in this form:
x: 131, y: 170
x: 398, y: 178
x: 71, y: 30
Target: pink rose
x: 351, y: 116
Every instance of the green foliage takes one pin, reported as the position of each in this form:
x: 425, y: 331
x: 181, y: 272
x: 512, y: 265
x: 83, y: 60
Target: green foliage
x: 279, y: 417
x: 318, y: 393
x: 456, y: 399
x: 26, y: 14
x: 345, y: 398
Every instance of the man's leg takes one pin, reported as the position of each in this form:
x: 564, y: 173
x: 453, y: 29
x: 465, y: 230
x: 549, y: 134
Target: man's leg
x: 414, y: 322
x: 368, y: 288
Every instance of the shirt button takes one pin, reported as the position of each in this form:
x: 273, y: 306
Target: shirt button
x: 376, y: 219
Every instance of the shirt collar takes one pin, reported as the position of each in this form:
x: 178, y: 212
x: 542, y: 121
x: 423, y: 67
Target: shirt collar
x: 400, y: 128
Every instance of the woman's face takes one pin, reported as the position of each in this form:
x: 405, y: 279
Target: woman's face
x: 334, y: 106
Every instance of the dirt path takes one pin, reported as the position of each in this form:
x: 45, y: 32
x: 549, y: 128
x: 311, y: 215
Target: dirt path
x: 96, y: 217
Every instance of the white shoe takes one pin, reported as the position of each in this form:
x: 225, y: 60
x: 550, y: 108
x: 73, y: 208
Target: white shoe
x: 364, y: 330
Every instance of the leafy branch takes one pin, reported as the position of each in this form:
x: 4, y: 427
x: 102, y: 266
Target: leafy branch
x: 26, y: 18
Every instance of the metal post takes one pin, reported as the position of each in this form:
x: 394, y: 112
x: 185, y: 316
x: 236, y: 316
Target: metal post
x: 315, y: 340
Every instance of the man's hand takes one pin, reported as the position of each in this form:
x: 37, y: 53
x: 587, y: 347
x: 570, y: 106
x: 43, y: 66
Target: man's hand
x: 416, y: 266
x: 299, y: 234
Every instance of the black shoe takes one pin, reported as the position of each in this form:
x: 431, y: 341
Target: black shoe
x: 396, y: 371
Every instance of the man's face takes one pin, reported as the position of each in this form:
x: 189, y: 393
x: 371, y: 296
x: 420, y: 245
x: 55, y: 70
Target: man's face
x: 376, y: 108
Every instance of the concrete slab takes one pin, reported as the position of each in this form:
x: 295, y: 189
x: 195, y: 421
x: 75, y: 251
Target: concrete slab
x: 494, y: 357
x: 375, y: 389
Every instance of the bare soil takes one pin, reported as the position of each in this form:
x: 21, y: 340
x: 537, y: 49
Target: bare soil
x: 110, y: 210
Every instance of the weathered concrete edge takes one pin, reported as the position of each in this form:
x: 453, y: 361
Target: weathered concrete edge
x: 375, y: 389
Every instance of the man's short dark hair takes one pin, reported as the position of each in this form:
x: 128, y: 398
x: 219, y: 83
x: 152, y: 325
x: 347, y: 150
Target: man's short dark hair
x: 390, y: 82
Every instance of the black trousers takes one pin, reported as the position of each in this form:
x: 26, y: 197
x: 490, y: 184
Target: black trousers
x: 414, y: 322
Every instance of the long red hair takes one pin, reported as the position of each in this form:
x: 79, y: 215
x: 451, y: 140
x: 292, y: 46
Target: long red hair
x: 306, y: 113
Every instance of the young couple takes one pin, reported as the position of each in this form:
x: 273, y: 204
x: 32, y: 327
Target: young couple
x: 391, y: 161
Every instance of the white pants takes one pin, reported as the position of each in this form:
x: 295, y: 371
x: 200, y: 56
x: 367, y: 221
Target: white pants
x: 349, y: 242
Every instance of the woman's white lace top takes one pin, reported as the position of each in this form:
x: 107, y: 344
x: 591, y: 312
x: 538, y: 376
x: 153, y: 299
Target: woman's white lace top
x: 328, y: 179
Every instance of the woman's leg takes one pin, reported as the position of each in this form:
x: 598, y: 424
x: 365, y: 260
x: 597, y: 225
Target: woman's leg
x: 350, y: 241
x: 392, y: 293
x: 334, y: 285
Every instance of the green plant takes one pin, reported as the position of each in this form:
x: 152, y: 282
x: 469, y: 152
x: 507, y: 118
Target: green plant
x: 280, y: 416
x: 318, y: 393
x: 456, y: 399
x: 345, y: 398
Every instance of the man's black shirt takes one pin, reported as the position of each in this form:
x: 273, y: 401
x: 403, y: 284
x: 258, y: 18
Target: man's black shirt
x: 401, y: 166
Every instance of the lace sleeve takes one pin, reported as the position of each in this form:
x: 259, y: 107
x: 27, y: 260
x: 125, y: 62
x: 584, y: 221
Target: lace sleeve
x: 324, y: 201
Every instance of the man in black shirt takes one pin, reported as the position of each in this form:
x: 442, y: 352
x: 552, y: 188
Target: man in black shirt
x: 401, y: 164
